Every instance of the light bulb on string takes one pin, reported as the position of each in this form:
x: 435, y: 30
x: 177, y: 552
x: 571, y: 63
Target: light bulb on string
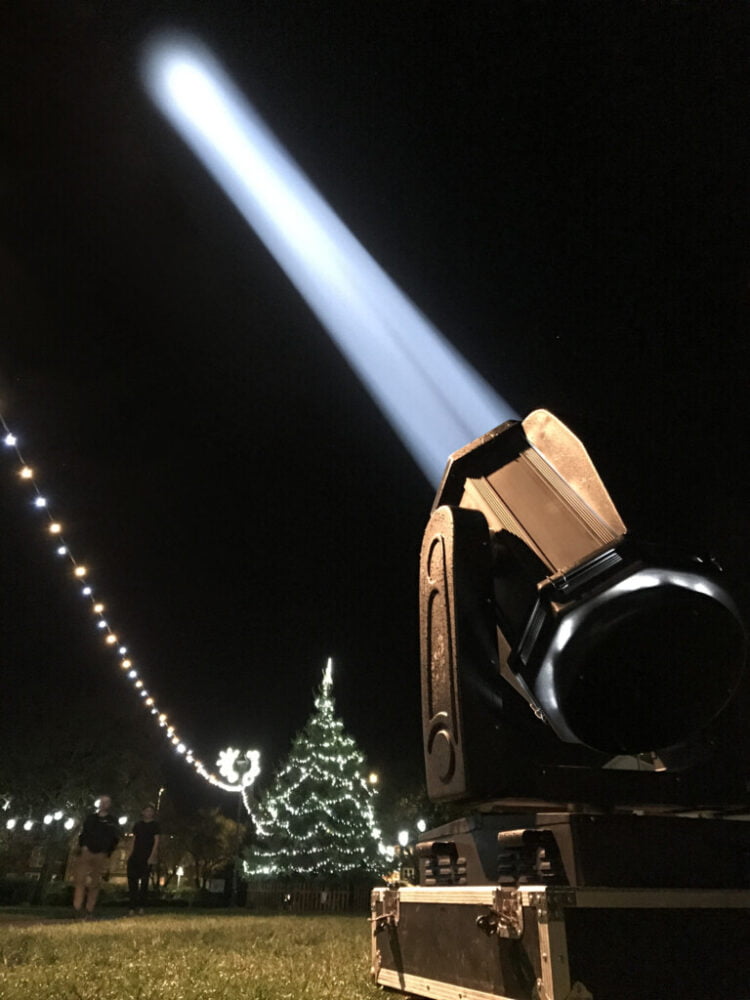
x: 80, y: 572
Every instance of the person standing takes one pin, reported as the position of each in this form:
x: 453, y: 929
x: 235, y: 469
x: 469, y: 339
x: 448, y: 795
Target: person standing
x: 96, y: 842
x: 145, y: 852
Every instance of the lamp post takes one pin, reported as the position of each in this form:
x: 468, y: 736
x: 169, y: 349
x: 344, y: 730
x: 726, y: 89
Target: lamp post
x: 403, y: 843
x: 240, y: 771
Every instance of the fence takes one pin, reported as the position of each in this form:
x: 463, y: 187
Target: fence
x: 306, y: 898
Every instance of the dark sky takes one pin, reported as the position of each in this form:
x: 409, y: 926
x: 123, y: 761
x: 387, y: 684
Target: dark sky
x: 562, y: 189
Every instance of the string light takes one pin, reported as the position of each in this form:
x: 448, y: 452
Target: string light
x: 49, y: 818
x: 80, y: 571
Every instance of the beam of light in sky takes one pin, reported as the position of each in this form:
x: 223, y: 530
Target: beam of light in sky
x: 432, y: 397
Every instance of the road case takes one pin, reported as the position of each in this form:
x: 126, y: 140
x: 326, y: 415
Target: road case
x: 562, y: 943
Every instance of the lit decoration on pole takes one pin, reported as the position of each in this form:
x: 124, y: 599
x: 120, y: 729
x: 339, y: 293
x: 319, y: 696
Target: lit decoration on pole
x: 249, y: 763
x: 434, y: 400
x: 240, y: 772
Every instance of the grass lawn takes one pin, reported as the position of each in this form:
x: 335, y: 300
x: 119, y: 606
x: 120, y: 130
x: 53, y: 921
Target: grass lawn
x: 184, y: 957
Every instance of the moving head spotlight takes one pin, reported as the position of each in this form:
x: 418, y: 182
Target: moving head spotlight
x: 551, y: 642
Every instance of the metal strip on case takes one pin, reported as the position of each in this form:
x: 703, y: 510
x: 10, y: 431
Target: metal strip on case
x: 409, y: 983
x: 456, y: 895
x: 536, y: 895
x: 553, y: 952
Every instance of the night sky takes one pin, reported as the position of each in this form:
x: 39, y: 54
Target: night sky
x: 562, y: 189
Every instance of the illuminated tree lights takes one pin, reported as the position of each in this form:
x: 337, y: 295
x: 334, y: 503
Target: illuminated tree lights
x: 239, y: 779
x: 317, y: 818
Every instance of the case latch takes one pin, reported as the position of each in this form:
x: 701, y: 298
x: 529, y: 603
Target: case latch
x: 505, y: 917
x: 390, y: 910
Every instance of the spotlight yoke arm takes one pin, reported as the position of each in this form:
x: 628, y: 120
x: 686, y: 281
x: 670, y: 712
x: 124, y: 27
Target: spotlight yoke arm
x: 531, y: 591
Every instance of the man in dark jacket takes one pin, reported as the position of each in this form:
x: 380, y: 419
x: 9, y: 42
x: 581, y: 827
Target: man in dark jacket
x: 145, y: 853
x: 96, y: 842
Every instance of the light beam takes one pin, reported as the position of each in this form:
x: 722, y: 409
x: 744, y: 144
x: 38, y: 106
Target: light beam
x: 435, y: 401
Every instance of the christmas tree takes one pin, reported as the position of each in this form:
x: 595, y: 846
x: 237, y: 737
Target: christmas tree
x: 317, y: 818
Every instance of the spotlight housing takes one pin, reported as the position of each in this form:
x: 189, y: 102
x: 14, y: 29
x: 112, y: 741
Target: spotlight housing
x: 532, y: 592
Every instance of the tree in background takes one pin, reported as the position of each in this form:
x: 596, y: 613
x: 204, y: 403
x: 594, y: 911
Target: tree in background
x: 208, y: 838
x: 317, y: 818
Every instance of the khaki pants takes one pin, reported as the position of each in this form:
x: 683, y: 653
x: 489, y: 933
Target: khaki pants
x: 88, y: 872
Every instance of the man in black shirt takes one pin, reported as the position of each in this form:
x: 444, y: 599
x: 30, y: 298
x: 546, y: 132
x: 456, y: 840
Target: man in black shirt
x: 144, y: 854
x: 96, y: 842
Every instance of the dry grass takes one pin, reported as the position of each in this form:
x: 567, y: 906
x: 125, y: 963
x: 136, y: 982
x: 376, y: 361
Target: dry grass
x: 179, y: 957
